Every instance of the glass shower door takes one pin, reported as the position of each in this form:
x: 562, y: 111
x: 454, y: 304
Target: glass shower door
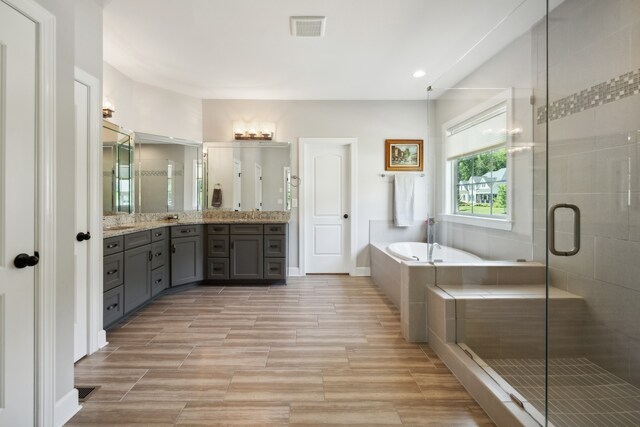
x: 593, y: 117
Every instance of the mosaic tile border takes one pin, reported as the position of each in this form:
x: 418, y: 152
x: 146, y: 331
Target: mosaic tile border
x: 620, y: 87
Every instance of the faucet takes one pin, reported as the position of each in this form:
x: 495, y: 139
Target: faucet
x: 431, y: 238
x: 430, y: 250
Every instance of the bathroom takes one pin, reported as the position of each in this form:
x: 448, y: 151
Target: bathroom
x: 249, y: 248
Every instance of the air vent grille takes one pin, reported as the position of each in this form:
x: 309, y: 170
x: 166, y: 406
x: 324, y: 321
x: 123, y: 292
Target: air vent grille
x: 307, y: 26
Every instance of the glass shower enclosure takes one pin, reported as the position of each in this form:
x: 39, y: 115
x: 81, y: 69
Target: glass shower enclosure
x: 536, y: 133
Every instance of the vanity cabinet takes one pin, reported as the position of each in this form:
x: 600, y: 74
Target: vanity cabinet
x: 187, y: 256
x: 247, y: 252
x: 137, y: 277
x: 112, y: 280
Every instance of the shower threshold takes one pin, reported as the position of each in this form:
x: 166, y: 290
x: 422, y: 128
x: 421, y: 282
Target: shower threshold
x: 581, y: 393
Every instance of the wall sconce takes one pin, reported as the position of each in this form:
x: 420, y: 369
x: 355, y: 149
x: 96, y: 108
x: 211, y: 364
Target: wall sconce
x: 107, y: 109
x: 253, y: 131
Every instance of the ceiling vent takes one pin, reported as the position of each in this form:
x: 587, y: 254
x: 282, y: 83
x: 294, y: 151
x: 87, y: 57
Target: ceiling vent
x: 307, y: 26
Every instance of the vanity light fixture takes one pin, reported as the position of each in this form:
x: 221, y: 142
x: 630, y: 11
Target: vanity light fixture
x: 419, y: 73
x: 241, y: 132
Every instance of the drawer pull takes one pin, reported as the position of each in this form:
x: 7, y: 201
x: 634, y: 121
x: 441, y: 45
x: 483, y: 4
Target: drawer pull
x: 274, y: 228
x: 150, y: 255
x: 185, y: 231
x: 217, y: 247
x: 217, y: 229
x: 112, y: 306
x: 217, y: 269
x: 110, y: 272
x: 173, y: 249
x: 112, y: 245
x: 158, y: 234
x: 274, y: 269
x: 158, y: 254
x: 273, y: 246
x: 158, y: 281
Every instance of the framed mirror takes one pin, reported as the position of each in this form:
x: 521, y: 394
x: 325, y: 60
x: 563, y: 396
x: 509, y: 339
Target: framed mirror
x: 247, y: 176
x: 117, y: 169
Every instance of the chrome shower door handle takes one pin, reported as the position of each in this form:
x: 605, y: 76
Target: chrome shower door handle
x: 576, y: 229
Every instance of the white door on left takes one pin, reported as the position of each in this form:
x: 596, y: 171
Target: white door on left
x: 18, y: 94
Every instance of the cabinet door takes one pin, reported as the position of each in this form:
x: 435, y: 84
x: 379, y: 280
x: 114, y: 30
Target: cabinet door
x: 158, y: 281
x: 275, y: 246
x: 137, y: 277
x: 186, y: 260
x: 246, y: 257
x: 112, y: 306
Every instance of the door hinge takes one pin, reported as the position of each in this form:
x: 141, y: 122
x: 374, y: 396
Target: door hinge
x: 532, y: 100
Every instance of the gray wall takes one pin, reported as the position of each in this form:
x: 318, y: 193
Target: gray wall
x: 370, y: 121
x: 593, y: 162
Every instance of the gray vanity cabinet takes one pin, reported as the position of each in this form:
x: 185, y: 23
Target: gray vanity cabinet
x: 187, y: 257
x: 137, y: 277
x: 112, y: 280
x: 246, y: 256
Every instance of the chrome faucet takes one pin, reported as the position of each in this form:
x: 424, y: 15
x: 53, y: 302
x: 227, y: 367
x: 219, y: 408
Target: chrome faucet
x: 431, y: 230
x: 430, y: 250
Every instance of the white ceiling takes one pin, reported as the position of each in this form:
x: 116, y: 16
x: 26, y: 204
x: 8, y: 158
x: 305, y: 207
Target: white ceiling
x: 242, y: 49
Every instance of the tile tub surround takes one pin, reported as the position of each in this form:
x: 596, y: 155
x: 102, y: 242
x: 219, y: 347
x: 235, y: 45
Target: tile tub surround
x: 406, y: 282
x: 324, y: 350
x: 141, y: 222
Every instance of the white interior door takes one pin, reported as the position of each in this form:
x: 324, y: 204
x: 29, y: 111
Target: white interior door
x: 18, y: 76
x: 326, y: 195
x: 81, y: 248
x: 237, y: 185
x: 258, y: 187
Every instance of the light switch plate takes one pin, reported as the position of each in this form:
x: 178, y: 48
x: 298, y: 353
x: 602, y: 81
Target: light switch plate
x: 294, y: 203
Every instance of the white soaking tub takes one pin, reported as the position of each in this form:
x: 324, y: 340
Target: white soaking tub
x: 417, y: 251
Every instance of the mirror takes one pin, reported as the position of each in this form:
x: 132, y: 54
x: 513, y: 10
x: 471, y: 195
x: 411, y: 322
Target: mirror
x: 117, y: 170
x: 169, y: 173
x: 248, y: 176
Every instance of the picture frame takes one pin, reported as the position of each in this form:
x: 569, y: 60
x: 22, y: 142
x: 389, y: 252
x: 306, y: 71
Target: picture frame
x: 403, y: 155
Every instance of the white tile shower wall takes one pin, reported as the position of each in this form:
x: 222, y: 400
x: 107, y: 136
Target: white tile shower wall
x: 593, y: 149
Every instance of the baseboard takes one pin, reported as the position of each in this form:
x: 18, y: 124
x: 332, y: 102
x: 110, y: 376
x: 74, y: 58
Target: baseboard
x: 102, y: 339
x: 66, y: 408
x: 362, y: 271
x: 294, y: 271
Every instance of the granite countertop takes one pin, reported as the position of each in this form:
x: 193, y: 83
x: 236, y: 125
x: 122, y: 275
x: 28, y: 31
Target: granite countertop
x: 128, y: 228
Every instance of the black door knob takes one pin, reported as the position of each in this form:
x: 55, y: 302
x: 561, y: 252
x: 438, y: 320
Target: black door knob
x: 345, y: 216
x: 83, y: 236
x: 24, y: 260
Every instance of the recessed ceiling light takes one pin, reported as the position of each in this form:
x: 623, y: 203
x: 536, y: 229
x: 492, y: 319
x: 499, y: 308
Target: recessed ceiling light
x: 419, y: 73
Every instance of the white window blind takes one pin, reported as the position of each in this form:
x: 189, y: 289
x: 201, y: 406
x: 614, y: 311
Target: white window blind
x: 479, y: 133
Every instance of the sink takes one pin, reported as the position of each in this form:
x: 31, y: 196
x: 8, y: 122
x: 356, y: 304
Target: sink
x: 120, y: 227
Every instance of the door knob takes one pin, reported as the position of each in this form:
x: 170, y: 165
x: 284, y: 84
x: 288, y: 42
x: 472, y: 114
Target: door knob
x: 345, y: 216
x: 83, y: 236
x: 24, y: 260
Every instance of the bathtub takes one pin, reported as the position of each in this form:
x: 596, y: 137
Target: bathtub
x: 417, y: 251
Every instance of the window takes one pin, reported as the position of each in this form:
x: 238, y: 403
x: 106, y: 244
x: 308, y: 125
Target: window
x: 477, y: 165
x: 480, y: 183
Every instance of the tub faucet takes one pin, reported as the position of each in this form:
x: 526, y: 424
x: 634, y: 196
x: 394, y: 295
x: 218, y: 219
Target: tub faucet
x: 431, y: 230
x: 430, y: 250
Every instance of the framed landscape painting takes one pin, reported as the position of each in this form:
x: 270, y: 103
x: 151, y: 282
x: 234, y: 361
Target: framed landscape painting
x: 403, y: 155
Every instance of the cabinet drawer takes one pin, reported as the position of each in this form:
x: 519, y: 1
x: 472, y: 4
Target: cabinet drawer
x: 218, y: 268
x: 113, y: 306
x: 113, y: 271
x: 275, y: 246
x: 159, y: 281
x: 112, y: 245
x: 158, y: 234
x: 218, y: 229
x: 245, y: 229
x: 134, y: 240
x: 217, y: 246
x: 275, y: 228
x: 275, y: 268
x: 185, y: 230
x: 159, y: 254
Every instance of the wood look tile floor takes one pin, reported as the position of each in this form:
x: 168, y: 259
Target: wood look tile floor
x: 323, y: 350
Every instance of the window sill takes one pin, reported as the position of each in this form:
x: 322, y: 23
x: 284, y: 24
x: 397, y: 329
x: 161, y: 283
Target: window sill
x: 494, y: 223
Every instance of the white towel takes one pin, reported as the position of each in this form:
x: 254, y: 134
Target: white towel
x: 403, y: 195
